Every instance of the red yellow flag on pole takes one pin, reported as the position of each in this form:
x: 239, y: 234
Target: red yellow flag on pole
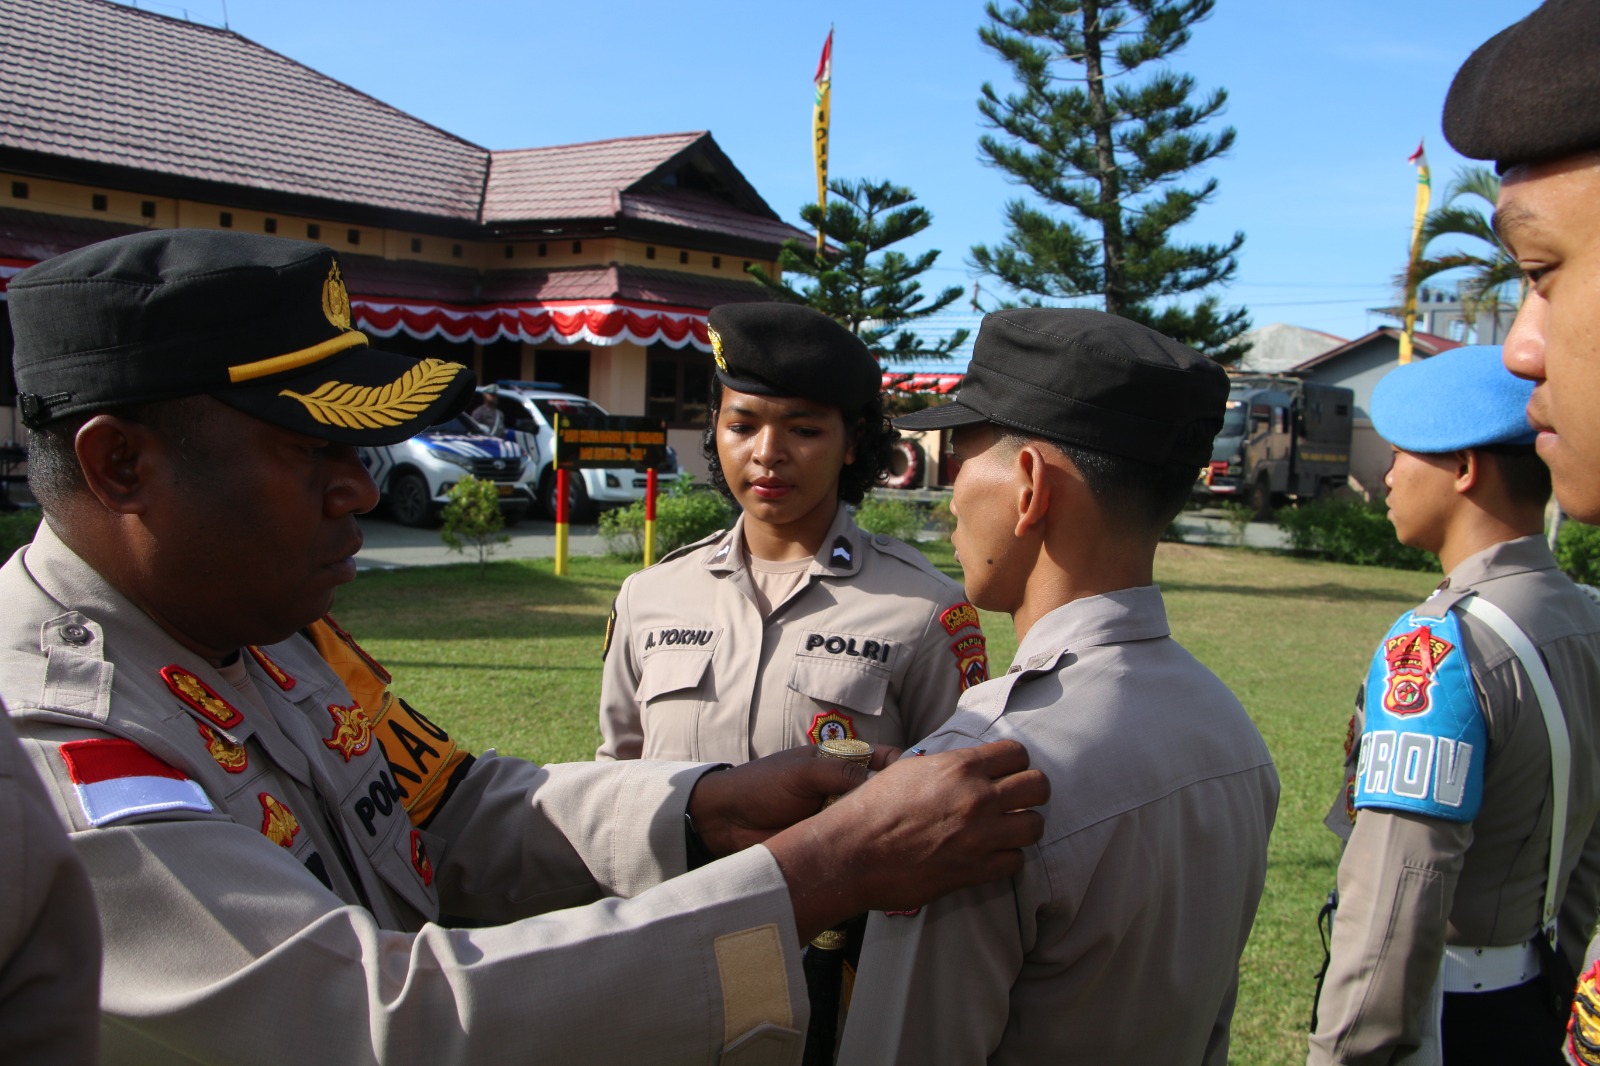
x: 819, y: 130
x: 1418, y: 159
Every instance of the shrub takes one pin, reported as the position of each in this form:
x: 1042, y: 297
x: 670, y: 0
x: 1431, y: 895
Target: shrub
x: 900, y: 519
x: 684, y: 514
x: 1578, y: 551
x: 17, y: 528
x: 1349, y: 531
x: 472, y: 519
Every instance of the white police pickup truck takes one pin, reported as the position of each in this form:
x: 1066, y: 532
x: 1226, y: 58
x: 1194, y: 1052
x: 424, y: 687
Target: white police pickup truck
x: 416, y: 475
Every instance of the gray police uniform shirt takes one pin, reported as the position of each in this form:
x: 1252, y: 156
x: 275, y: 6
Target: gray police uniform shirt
x: 1410, y: 884
x: 1119, y: 941
x: 874, y: 644
x: 49, y: 933
x: 265, y: 897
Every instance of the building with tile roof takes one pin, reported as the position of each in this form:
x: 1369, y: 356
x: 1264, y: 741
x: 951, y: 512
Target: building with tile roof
x: 592, y: 265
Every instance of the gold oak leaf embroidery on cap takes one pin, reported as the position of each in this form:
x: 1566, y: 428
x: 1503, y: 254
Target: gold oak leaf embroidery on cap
x: 336, y: 403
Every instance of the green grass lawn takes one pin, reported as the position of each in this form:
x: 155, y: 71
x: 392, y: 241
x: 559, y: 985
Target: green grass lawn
x: 512, y: 662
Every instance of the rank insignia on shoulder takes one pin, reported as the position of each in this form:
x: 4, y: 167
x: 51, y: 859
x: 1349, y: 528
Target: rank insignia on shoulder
x: 352, y: 730
x: 1412, y: 657
x: 1583, y: 1031
x: 959, y: 617
x: 230, y: 756
x: 116, y: 779
x: 199, y: 695
x: 278, y: 823
x: 831, y: 725
x: 611, y: 631
x: 722, y: 552
x: 272, y: 669
x: 841, y: 552
x: 419, y: 858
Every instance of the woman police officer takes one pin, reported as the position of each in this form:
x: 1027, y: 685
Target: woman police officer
x: 795, y: 626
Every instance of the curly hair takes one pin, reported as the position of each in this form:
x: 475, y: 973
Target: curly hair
x: 874, y: 442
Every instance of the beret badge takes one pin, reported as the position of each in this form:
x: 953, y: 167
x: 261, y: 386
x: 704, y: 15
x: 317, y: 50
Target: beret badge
x: 716, y: 349
x: 335, y: 298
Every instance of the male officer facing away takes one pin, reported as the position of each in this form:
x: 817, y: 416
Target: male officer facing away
x: 1079, y: 435
x: 277, y: 842
x: 1448, y: 805
x: 1529, y: 100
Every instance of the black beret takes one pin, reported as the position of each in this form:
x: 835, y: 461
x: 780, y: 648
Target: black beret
x: 1089, y: 379
x: 260, y: 323
x: 782, y: 349
x: 1532, y: 91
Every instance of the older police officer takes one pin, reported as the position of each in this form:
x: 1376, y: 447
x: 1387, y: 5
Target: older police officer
x: 278, y: 844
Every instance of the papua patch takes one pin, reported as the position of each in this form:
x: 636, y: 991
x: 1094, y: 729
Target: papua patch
x: 279, y: 676
x: 1350, y: 798
x: 831, y: 725
x: 199, y: 695
x: 1583, y: 1030
x: 1412, y: 657
x: 352, y: 730
x: 419, y: 858
x: 611, y: 631
x: 230, y: 756
x: 278, y: 823
x: 116, y: 779
x: 972, y: 660
x: 958, y: 617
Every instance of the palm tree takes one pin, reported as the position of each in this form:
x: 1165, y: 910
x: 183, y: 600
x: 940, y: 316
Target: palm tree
x: 1463, y: 215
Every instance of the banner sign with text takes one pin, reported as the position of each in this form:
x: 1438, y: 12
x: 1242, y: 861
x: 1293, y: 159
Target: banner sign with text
x: 595, y: 442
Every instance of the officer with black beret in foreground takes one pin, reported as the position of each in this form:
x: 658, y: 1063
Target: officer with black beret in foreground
x: 274, y: 837
x: 1456, y: 866
x: 1079, y: 436
x: 1529, y: 99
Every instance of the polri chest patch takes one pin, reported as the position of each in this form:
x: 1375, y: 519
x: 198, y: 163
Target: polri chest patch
x: 850, y: 647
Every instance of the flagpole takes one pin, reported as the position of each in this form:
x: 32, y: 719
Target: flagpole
x: 820, y: 114
x: 1419, y: 160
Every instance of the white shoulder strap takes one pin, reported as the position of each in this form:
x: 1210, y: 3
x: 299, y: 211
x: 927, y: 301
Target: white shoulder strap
x: 1555, y: 726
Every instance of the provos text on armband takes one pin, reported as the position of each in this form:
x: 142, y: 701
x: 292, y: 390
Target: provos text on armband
x: 1413, y: 766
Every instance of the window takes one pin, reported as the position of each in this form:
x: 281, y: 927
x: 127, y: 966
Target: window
x: 677, y: 386
x: 98, y: 201
x: 455, y: 250
x: 313, y: 231
x: 269, y: 225
x: 566, y: 367
x: 649, y: 251
x: 683, y: 257
x: 353, y: 236
x: 225, y: 219
x: 19, y: 190
x: 716, y: 262
x: 416, y: 244
x: 147, y: 209
x: 577, y: 247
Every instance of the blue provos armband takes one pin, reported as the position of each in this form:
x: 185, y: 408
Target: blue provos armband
x: 1423, y: 745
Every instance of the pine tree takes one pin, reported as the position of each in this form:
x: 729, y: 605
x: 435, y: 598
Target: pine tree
x: 1085, y: 140
x: 876, y: 299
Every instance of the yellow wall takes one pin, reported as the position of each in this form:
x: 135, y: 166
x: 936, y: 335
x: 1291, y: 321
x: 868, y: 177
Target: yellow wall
x: 77, y: 201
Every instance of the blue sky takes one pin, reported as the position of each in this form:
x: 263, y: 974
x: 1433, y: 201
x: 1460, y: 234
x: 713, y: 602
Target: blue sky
x: 1328, y: 100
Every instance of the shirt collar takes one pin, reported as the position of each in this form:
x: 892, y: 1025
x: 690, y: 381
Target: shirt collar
x: 1109, y: 618
x: 839, y: 554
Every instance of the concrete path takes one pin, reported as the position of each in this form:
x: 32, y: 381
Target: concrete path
x: 389, y: 545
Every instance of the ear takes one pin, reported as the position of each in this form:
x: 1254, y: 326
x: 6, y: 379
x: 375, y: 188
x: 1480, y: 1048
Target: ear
x: 1468, y: 470
x: 114, y: 454
x: 1033, y: 489
x: 855, y: 441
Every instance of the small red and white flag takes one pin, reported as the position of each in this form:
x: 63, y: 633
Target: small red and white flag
x: 117, y: 779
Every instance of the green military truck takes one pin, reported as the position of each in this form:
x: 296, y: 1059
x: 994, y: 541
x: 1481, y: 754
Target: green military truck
x: 1282, y: 438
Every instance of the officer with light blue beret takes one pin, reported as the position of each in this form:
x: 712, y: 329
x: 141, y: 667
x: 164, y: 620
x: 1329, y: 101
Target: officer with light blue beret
x: 1462, y: 915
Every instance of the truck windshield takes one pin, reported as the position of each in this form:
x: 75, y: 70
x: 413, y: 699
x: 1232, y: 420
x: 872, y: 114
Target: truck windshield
x: 1233, y: 420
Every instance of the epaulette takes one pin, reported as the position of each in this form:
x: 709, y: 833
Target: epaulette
x: 679, y: 552
x: 899, y: 549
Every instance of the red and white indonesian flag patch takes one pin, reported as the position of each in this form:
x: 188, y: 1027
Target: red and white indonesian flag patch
x: 117, y: 779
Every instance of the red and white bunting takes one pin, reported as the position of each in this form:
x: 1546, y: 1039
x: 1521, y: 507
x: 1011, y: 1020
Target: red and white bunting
x: 560, y: 321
